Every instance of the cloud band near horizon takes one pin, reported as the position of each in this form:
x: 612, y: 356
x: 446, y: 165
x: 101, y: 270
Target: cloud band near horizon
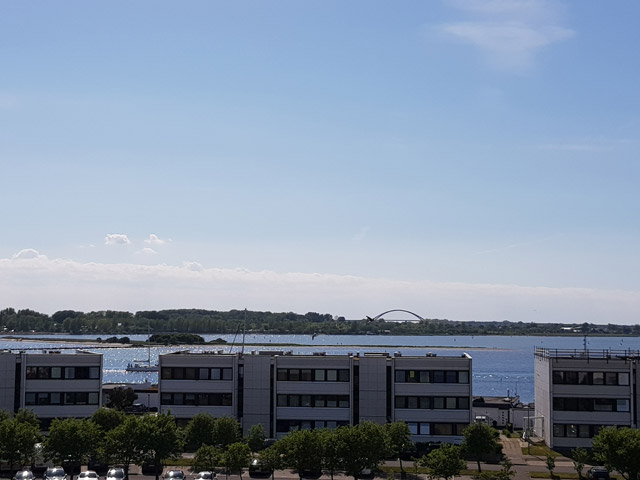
x: 47, y: 285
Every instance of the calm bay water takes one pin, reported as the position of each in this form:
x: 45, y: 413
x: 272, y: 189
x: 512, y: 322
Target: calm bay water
x: 501, y: 364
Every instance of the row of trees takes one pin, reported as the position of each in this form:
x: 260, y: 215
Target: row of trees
x: 212, y: 321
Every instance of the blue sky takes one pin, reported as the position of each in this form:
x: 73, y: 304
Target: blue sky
x: 463, y: 159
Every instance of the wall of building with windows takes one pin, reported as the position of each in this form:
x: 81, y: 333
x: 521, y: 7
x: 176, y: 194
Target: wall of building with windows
x: 579, y: 392
x: 285, y: 392
x: 56, y: 385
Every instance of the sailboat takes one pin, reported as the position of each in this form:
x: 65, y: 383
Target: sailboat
x: 144, y: 365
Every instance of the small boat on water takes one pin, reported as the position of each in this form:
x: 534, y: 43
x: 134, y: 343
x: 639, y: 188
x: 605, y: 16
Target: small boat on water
x: 141, y: 367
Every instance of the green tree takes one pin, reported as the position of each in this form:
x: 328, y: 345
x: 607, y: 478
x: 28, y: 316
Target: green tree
x: 122, y: 443
x: 443, y: 462
x: 550, y: 463
x: 236, y: 457
x: 201, y: 430
x: 271, y: 458
x: 107, y: 418
x: 580, y: 457
x: 121, y: 398
x: 301, y: 450
x: 331, y: 452
x: 18, y: 442
x: 479, y: 441
x: 27, y: 416
x: 72, y: 440
x: 256, y: 437
x: 227, y: 431
x: 619, y: 449
x: 160, y: 439
x: 399, y: 440
x: 363, y: 446
x: 206, y: 458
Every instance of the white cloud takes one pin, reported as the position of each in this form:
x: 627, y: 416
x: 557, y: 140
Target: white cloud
x: 28, y: 254
x: 49, y: 285
x: 116, y: 239
x: 154, y: 240
x: 147, y: 251
x: 509, y: 33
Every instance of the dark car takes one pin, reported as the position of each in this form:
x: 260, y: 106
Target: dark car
x: 598, y: 473
x: 54, y: 473
x: 258, y: 469
x: 24, y: 475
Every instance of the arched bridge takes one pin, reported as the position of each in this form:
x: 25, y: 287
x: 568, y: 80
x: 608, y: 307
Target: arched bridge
x: 377, y: 317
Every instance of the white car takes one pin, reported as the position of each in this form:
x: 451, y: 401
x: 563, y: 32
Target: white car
x: 205, y: 476
x: 88, y: 475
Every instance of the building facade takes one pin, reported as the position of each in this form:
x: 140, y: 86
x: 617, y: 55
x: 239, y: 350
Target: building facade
x: 577, y: 392
x: 51, y: 384
x: 284, y: 392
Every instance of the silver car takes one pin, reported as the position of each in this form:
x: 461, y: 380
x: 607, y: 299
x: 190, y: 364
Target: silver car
x: 88, y: 475
x: 115, y: 474
x: 54, y: 473
x: 24, y: 475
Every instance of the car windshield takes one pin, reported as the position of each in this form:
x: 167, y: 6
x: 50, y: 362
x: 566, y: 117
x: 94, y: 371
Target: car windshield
x: 175, y: 474
x: 55, y: 472
x: 88, y: 475
x: 24, y: 474
x: 116, y: 472
x: 205, y: 475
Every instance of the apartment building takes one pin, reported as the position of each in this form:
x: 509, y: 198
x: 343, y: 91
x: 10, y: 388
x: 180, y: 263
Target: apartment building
x: 284, y: 392
x: 52, y: 384
x: 577, y: 392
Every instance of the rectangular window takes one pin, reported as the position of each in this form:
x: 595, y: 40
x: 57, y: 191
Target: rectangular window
x: 438, y: 376
x: 189, y: 398
x: 558, y: 430
x: 623, y: 379
x: 425, y: 429
x: 602, y: 405
x: 343, y: 401
x: 69, y: 372
x: 305, y: 375
x: 56, y: 372
x: 166, y: 373
x: 305, y: 400
x: 611, y: 378
x: 43, y: 399
x: 320, y: 375
x: 216, y: 374
x: 558, y: 403
x: 463, y: 376
x: 425, y: 402
x: 438, y: 402
x: 332, y: 375
x: 451, y: 403
x: 585, y: 404
x: 424, y: 376
x: 166, y: 399
x: 343, y: 375
x: 44, y: 372
x: 55, y: 398
x: 401, y: 402
x: 584, y: 431
x: 178, y: 399
x: 81, y: 398
x: 400, y: 376
x: 282, y: 375
x: 463, y: 403
x: 412, y: 376
x: 94, y: 373
x: 598, y: 378
x: 623, y: 405
x: 571, y: 378
x: 190, y: 373
x: 203, y: 374
x: 583, y: 378
x: 442, y: 429
x: 294, y: 375
x: 30, y: 399
x: 177, y: 373
x: 32, y: 373
x: 227, y: 374
x: 413, y: 428
x: 319, y: 401
x: 558, y: 377
x: 294, y: 400
x: 332, y: 401
x: 82, y: 372
x: 69, y: 398
x: 572, y: 431
x: 412, y: 402
x: 451, y: 377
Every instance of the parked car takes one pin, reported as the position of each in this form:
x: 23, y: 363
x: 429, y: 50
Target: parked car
x: 205, y: 476
x: 115, y: 474
x: 88, y: 475
x: 173, y: 475
x: 598, y: 473
x: 257, y: 468
x: 54, y: 473
x: 24, y: 475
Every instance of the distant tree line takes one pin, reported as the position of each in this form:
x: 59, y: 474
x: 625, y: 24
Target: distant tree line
x: 198, y: 321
